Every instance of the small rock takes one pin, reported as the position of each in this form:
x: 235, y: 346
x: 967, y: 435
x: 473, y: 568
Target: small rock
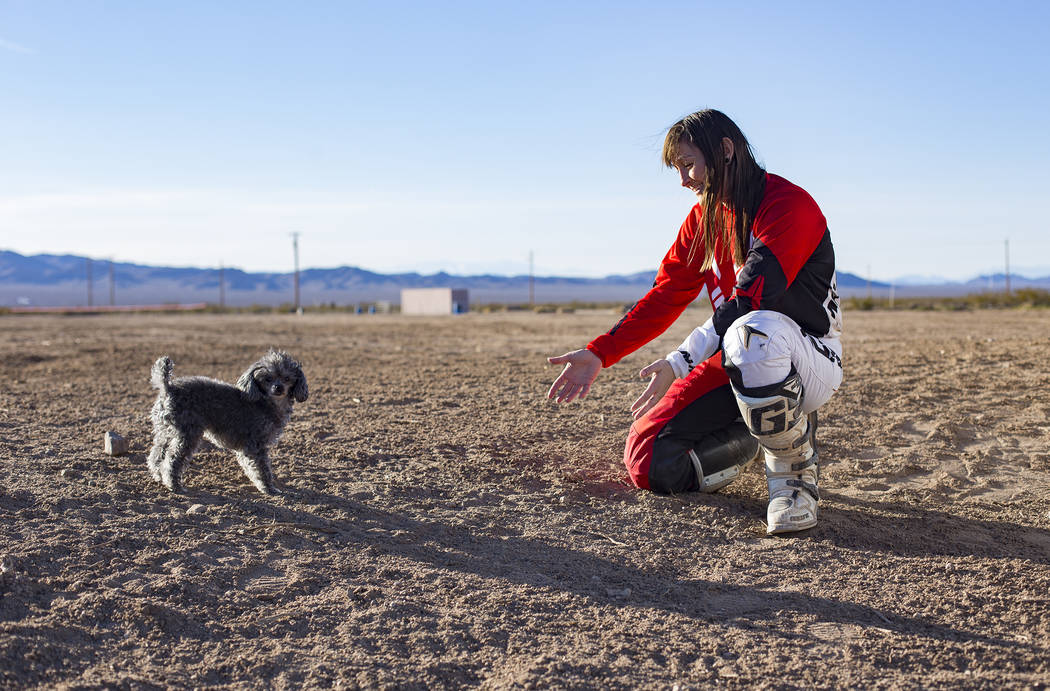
x: 561, y: 499
x: 211, y: 537
x: 356, y: 400
x: 196, y: 508
x: 614, y: 592
x: 67, y: 473
x: 115, y: 445
x: 7, y: 565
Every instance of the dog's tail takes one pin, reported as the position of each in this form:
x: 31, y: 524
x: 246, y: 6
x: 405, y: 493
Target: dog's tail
x: 160, y: 375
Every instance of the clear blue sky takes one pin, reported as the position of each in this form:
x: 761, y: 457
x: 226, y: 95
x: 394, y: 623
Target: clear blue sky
x: 463, y: 135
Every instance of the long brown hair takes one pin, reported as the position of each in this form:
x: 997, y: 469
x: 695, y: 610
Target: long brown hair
x: 732, y: 191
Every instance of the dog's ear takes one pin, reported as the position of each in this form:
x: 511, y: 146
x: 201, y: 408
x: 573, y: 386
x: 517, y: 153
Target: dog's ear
x: 249, y: 386
x: 299, y: 391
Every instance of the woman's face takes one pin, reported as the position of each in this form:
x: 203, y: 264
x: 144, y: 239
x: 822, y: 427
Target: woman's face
x: 692, y: 168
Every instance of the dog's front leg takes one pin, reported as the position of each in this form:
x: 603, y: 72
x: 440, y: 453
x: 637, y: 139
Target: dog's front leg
x: 256, y: 465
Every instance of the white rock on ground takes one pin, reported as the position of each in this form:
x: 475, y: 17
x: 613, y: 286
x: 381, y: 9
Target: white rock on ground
x: 115, y: 445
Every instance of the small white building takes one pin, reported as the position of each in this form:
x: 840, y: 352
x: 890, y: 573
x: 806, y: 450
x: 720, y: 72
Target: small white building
x: 434, y: 301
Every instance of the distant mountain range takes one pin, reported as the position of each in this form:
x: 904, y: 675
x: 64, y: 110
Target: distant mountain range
x: 48, y: 280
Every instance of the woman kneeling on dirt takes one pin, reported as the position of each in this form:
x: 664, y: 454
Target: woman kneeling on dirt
x: 752, y: 376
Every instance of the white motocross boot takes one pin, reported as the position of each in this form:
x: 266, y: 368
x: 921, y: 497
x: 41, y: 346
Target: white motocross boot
x: 774, y: 416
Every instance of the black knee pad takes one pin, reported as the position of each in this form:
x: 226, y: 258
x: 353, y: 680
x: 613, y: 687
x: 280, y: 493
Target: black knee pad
x: 720, y: 457
x: 706, y: 465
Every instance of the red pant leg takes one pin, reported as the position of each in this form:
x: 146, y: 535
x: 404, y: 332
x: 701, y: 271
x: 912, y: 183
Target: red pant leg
x: 638, y: 453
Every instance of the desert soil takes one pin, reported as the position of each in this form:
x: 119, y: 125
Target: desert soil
x: 448, y: 526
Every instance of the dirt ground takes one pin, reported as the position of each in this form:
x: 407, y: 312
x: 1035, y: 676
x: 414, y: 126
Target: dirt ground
x: 451, y: 527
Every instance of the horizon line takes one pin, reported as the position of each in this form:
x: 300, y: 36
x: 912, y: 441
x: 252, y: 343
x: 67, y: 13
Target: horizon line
x: 900, y: 280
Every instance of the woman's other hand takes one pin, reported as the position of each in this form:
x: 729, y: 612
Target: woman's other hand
x: 661, y: 377
x: 581, y: 368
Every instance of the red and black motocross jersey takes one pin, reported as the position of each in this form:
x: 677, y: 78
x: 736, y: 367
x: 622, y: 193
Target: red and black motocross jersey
x: 789, y: 268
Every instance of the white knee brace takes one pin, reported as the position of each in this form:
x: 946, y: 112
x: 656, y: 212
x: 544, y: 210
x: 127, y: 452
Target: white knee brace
x: 774, y: 416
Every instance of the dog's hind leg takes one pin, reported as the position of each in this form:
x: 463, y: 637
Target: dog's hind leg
x: 256, y: 465
x: 177, y: 452
x: 163, y: 434
x: 156, y: 455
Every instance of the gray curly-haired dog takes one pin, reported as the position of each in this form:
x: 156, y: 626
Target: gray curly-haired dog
x: 247, y: 418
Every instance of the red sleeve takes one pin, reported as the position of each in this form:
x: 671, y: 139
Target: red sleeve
x: 677, y: 284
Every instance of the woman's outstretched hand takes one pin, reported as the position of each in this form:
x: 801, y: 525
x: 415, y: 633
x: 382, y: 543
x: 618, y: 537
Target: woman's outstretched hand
x: 581, y: 368
x: 661, y: 377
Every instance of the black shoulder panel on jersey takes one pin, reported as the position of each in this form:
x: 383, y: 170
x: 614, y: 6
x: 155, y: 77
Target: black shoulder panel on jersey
x: 804, y: 299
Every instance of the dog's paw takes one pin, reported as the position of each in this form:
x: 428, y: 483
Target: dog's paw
x: 268, y: 490
x: 280, y: 492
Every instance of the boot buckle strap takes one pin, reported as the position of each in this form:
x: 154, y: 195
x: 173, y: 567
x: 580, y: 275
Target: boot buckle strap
x: 811, y: 461
x: 808, y: 486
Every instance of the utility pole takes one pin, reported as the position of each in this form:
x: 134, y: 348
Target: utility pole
x: 112, y: 287
x: 222, y: 286
x: 1007, y: 266
x: 532, y: 283
x: 295, y: 248
x: 90, y: 282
